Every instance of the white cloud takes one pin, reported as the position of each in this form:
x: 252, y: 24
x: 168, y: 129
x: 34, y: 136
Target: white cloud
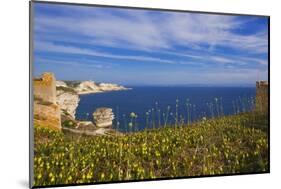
x: 213, y: 30
x: 72, y: 63
x: 164, y: 31
x: 199, y: 37
x: 43, y: 46
x: 201, y: 60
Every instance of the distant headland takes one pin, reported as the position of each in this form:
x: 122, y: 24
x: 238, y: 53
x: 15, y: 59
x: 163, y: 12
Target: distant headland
x: 88, y: 87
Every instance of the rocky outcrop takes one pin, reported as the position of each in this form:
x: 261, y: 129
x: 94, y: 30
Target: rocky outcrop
x: 46, y: 112
x: 103, y: 117
x: 68, y: 92
x: 87, y: 87
x: 68, y: 101
x: 101, y: 125
x: 55, y: 104
x: 61, y: 84
x: 45, y: 87
x: 47, y: 115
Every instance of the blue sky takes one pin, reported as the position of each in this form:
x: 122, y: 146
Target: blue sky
x: 147, y: 47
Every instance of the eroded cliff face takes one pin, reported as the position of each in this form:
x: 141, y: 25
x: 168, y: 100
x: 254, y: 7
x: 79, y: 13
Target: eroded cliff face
x: 68, y: 93
x: 55, y: 104
x: 87, y: 87
x: 47, y: 115
x: 45, y: 109
x: 68, y: 102
x: 111, y: 87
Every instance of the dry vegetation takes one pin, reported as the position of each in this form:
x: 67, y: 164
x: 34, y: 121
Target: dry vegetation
x: 225, y: 145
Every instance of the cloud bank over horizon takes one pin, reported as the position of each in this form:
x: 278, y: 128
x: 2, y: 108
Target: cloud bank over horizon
x: 148, y: 47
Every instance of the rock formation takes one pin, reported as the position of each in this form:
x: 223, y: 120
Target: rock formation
x: 45, y: 87
x: 111, y: 87
x: 87, y: 87
x: 68, y: 92
x: 46, y: 112
x: 103, y: 117
x: 61, y: 84
x: 55, y: 104
x: 47, y: 115
x: 68, y: 101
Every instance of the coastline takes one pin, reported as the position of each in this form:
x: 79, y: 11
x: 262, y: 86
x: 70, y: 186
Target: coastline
x: 68, y: 95
x: 94, y: 92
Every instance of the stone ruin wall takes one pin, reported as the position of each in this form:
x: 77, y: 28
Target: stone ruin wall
x: 262, y: 96
x: 45, y: 87
x: 47, y: 112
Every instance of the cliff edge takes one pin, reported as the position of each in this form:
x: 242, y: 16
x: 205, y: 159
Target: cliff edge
x: 55, y: 104
x: 46, y: 111
x: 88, y: 87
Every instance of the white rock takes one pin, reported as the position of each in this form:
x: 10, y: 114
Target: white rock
x: 86, y: 87
x: 103, y: 117
x: 68, y: 98
x: 68, y: 101
x: 60, y: 84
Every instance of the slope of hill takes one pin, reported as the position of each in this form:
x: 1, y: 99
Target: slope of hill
x: 225, y: 145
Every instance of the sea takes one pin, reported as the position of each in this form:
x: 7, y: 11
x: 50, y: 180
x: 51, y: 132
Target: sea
x: 155, y: 107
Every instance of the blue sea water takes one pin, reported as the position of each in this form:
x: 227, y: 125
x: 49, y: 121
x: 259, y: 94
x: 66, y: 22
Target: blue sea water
x: 159, y: 106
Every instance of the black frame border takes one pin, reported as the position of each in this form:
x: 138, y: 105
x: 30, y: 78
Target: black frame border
x: 136, y: 8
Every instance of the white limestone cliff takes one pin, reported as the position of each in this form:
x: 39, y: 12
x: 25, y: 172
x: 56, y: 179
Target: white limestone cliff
x: 68, y: 93
x: 68, y: 101
x: 87, y: 87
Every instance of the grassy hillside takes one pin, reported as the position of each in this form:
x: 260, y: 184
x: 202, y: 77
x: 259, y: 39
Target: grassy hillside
x: 226, y: 145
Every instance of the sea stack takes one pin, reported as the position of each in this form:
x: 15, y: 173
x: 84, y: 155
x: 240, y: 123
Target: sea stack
x: 103, y: 117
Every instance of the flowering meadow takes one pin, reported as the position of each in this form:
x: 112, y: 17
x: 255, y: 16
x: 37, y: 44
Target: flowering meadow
x: 225, y: 145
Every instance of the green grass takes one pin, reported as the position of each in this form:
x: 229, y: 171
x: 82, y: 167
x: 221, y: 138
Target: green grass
x: 226, y: 145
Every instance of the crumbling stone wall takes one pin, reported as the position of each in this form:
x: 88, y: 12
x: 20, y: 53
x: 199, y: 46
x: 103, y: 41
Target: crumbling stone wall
x: 47, y: 116
x: 47, y: 112
x: 45, y: 87
x: 262, y: 96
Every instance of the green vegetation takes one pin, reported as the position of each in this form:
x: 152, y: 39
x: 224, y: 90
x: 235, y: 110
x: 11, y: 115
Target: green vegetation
x: 69, y: 124
x: 225, y: 145
x: 72, y: 84
x: 66, y: 89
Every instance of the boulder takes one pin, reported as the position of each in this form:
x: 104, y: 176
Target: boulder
x: 103, y: 117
